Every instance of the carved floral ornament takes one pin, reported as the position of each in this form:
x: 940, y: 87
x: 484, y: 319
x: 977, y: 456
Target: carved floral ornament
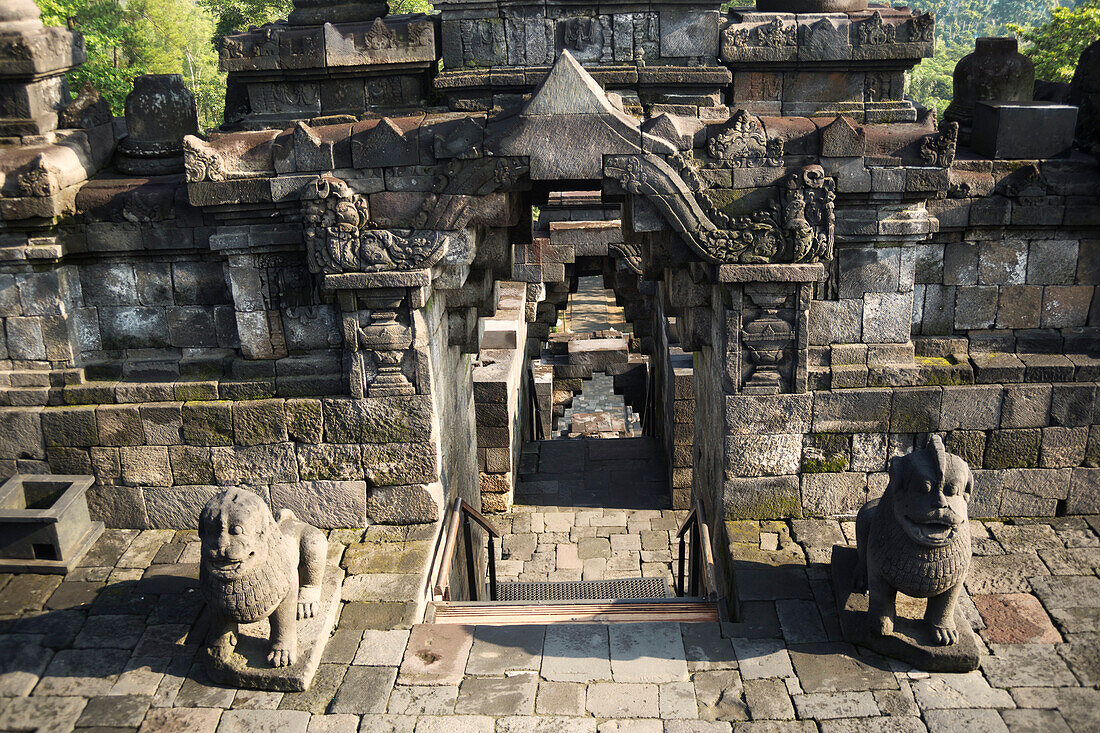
x: 795, y: 226
x: 744, y: 144
x: 876, y: 32
x: 774, y: 34
x: 339, y: 237
x: 939, y: 149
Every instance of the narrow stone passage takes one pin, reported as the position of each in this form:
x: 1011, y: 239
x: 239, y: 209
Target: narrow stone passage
x: 589, y: 510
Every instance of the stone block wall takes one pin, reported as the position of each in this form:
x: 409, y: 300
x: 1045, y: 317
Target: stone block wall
x: 500, y: 385
x: 673, y: 413
x: 1034, y: 449
x: 978, y: 319
x: 156, y: 462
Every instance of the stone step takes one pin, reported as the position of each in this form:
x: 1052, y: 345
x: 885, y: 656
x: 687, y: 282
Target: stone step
x: 680, y: 610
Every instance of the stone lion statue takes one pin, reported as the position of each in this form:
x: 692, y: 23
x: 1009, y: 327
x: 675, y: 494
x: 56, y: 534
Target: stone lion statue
x: 916, y: 540
x: 256, y: 566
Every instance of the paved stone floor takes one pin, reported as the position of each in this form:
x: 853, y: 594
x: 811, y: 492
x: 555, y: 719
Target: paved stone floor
x: 592, y: 308
x: 589, y: 510
x: 112, y: 647
x: 598, y: 395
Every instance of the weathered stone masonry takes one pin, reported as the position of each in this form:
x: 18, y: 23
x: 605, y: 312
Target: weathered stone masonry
x: 296, y: 303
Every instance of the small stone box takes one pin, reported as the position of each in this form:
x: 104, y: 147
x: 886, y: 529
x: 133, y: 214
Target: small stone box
x: 1023, y: 130
x: 44, y: 523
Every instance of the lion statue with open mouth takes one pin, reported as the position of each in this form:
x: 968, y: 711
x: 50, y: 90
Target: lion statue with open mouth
x: 916, y: 540
x: 256, y: 566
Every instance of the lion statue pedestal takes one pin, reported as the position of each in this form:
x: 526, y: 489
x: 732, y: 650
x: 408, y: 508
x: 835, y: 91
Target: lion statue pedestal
x: 271, y: 600
x: 911, y: 557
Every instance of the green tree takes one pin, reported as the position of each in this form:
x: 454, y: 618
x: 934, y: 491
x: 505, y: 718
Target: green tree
x: 128, y: 39
x: 930, y: 84
x: 958, y: 24
x: 400, y: 7
x: 1056, y: 45
x: 108, y: 36
x: 240, y: 15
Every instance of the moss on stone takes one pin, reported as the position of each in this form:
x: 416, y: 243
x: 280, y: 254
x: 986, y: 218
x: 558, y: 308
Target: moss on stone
x: 833, y: 464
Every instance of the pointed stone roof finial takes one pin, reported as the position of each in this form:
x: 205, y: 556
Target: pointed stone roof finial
x: 568, y: 90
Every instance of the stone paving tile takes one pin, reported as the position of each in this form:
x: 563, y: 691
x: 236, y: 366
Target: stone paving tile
x: 893, y: 724
x: 825, y: 705
x: 1082, y: 654
x: 1015, y: 618
x: 497, y: 650
x: 758, y: 658
x: 767, y: 699
x: 962, y: 690
x: 262, y: 721
x: 180, y: 720
x: 576, y: 653
x: 634, y: 725
x: 454, y: 724
x: 81, y: 672
x: 1004, y: 573
x: 677, y: 700
x: 257, y: 700
x: 705, y: 648
x: 1034, y: 721
x: 1026, y: 665
x: 497, y: 696
x: 546, y: 724
x: 800, y: 621
x: 22, y: 662
x: 837, y: 667
x: 560, y: 698
x: 382, y: 648
x: 622, y: 700
x: 976, y: 720
x: 364, y: 690
x: 647, y: 653
x: 720, y: 695
x: 436, y: 655
x: 325, y: 685
x: 333, y: 724
x: 422, y: 700
x: 115, y: 711
x: 1071, y: 600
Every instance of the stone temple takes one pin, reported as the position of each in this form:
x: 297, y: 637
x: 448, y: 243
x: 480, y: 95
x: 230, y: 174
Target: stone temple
x: 359, y: 298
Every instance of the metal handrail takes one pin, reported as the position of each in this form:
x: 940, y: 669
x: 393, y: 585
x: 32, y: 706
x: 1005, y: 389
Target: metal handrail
x: 461, y: 515
x: 701, y: 559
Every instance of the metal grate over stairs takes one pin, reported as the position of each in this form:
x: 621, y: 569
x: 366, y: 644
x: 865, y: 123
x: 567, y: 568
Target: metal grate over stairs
x: 589, y: 590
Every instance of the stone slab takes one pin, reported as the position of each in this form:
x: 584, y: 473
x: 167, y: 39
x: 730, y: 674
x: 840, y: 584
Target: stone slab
x: 576, y: 653
x: 248, y: 666
x: 647, y: 653
x: 907, y: 641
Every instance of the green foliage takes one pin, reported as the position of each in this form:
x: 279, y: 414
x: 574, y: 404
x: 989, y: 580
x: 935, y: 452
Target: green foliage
x: 107, y: 35
x: 958, y: 24
x: 930, y: 83
x: 240, y: 15
x: 400, y: 7
x: 128, y: 39
x: 1056, y: 45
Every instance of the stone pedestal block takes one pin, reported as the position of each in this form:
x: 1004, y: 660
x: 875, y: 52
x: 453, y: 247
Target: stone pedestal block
x: 908, y: 642
x: 248, y: 666
x: 1023, y: 130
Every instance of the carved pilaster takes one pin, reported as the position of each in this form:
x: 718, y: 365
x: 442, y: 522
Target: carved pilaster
x: 766, y: 330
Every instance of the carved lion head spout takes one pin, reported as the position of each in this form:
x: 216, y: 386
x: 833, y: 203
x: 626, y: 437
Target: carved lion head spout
x: 236, y: 529
x: 929, y: 490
